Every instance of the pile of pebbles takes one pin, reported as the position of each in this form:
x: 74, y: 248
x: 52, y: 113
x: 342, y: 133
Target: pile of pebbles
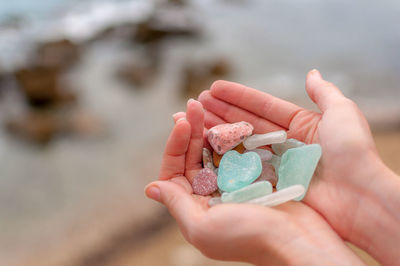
x: 266, y: 169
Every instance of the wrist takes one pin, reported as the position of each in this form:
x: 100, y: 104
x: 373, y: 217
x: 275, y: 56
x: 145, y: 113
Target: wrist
x: 376, y: 223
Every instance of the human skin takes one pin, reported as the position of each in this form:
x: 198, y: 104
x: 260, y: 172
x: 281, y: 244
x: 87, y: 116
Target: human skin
x: 290, y: 234
x: 352, y: 189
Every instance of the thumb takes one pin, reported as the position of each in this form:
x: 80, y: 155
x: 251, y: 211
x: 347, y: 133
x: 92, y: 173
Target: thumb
x: 323, y: 93
x: 176, y: 198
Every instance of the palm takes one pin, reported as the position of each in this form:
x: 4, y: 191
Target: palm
x: 339, y: 130
x: 236, y: 231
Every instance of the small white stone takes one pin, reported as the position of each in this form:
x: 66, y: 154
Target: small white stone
x: 215, y: 201
x: 281, y: 148
x: 258, y: 140
x: 280, y: 196
x: 265, y: 155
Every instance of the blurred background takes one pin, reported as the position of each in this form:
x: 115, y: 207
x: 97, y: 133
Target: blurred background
x: 87, y: 90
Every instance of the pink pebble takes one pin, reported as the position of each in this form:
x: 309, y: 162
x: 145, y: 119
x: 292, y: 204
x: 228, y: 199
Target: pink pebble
x: 205, y: 182
x: 225, y: 137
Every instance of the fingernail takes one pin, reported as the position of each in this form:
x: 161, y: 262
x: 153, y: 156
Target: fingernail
x: 181, y: 119
x: 153, y: 192
x: 175, y: 115
x: 316, y: 73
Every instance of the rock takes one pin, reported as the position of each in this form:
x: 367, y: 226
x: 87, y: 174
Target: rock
x: 217, y: 158
x: 265, y: 155
x: 298, y: 166
x: 268, y: 174
x: 216, y: 171
x: 280, y: 148
x: 157, y: 28
x: 197, y: 76
x: 214, y: 201
x: 41, y: 88
x: 224, y: 137
x: 258, y: 140
x: 205, y: 182
x: 279, y: 197
x: 276, y: 162
x: 58, y: 54
x: 208, y: 159
x: 137, y: 74
x: 84, y: 123
x: 249, y: 192
x: 39, y: 127
x: 238, y: 170
x: 220, y: 67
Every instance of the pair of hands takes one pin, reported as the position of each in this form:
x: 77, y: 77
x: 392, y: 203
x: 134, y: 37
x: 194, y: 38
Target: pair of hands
x: 342, y: 190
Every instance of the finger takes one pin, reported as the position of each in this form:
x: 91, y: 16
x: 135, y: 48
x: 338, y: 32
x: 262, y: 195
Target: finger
x: 211, y: 120
x: 195, y: 116
x: 179, y: 202
x: 173, y: 162
x: 178, y: 115
x: 276, y: 110
x: 323, y: 93
x: 231, y: 113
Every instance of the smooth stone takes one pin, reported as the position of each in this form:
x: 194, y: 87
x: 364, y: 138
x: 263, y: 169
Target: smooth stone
x: 267, y: 174
x: 208, y: 159
x: 224, y: 137
x: 279, y: 197
x: 265, y: 155
x: 217, y: 158
x: 258, y: 140
x: 238, y: 170
x: 205, y: 182
x: 276, y: 162
x: 298, y: 166
x: 216, y: 171
x: 280, y: 148
x: 214, y: 201
x: 249, y: 192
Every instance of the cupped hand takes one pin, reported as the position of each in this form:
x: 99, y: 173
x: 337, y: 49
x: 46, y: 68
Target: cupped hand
x: 349, y: 163
x: 289, y: 234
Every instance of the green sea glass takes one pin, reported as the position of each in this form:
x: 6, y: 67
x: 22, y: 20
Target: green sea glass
x: 238, y: 170
x: 249, y: 192
x: 298, y: 166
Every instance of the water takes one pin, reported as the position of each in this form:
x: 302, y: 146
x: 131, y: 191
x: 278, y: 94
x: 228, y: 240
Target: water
x: 272, y: 44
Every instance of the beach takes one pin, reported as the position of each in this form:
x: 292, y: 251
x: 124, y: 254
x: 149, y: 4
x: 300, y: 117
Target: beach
x: 78, y: 199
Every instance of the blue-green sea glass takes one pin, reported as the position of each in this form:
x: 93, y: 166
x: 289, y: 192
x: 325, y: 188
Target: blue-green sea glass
x: 249, y: 192
x: 298, y: 166
x: 238, y: 170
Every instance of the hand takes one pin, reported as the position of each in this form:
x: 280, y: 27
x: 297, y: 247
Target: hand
x: 289, y: 234
x: 350, y: 180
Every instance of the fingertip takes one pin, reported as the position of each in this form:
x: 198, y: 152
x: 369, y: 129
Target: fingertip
x: 178, y: 115
x: 192, y: 104
x: 219, y: 84
x: 203, y: 95
x: 153, y: 191
x: 314, y: 73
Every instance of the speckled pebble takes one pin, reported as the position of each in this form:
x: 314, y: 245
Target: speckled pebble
x: 205, y: 182
x: 224, y: 137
